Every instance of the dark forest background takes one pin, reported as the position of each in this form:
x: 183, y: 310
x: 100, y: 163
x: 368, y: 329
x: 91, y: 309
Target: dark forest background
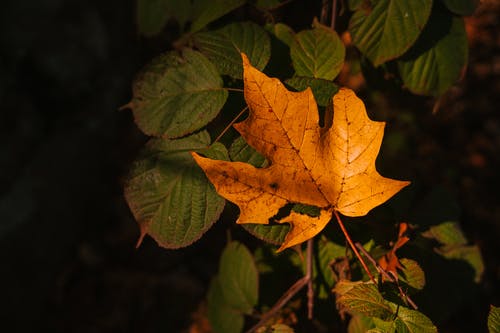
x: 68, y: 261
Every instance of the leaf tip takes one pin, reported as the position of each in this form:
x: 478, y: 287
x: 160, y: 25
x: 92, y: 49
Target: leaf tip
x: 144, y: 231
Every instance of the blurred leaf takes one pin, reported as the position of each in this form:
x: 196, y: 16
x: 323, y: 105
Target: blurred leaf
x: 494, y: 319
x: 223, y: 47
x: 323, y: 90
x: 461, y: 7
x: 177, y: 95
x: 267, y: 4
x: 364, y: 298
x: 438, y: 58
x: 282, y: 32
x: 239, y: 278
x: 453, y: 242
x: 317, y: 53
x: 276, y: 328
x: 327, y: 252
x: 152, y: 15
x: 360, y: 324
x: 211, y: 10
x: 168, y: 193
x: 389, y: 29
x: 411, y: 274
x: 222, y: 318
x: 446, y: 233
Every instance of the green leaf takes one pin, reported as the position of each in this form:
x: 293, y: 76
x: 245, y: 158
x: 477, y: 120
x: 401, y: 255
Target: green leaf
x: 360, y: 324
x: 461, y: 7
x: 240, y: 151
x: 438, y: 58
x: 327, y: 252
x: 317, y: 53
x: 323, y: 90
x: 411, y: 274
x: 271, y: 233
x: 446, y: 233
x: 364, y: 298
x: 389, y: 29
x: 494, y: 319
x: 239, y: 278
x: 222, y: 318
x: 223, y: 47
x: 453, y: 242
x: 169, y: 194
x: 410, y: 321
x: 282, y: 32
x: 276, y: 328
x: 211, y: 10
x: 177, y: 95
x: 152, y: 15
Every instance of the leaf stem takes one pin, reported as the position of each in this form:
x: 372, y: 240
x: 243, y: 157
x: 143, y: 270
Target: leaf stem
x: 334, y: 14
x: 230, y: 124
x: 234, y: 89
x: 353, y: 247
x: 292, y: 291
x: 309, y: 275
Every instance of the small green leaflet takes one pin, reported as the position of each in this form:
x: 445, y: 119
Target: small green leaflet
x: 317, y: 53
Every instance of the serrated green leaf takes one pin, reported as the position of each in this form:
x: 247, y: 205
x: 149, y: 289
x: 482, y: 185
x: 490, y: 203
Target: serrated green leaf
x: 317, y: 53
x: 177, y: 94
x: 388, y: 29
x: 211, y: 10
x: 323, y: 90
x: 411, y: 321
x: 282, y: 32
x: 494, y: 319
x: 461, y: 7
x: 223, y: 47
x: 239, y: 277
x: 438, y: 58
x: 240, y: 151
x: 168, y: 193
x: 271, y: 233
x: 222, y: 318
x: 363, y: 298
x: 360, y: 324
x: 411, y: 274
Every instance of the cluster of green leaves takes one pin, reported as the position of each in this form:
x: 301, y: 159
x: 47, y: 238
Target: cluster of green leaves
x: 185, y: 97
x: 424, y: 42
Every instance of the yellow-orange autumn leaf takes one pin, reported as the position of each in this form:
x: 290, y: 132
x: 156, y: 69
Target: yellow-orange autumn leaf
x: 332, y: 167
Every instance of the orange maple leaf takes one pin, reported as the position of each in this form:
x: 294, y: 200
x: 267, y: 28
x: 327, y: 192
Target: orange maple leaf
x: 331, y: 167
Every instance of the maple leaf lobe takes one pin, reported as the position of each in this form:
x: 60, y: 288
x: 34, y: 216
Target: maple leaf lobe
x: 332, y: 168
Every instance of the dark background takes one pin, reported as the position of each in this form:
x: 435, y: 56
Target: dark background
x: 67, y: 256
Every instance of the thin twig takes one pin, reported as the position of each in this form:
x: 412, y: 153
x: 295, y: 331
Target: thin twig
x: 230, y: 124
x: 353, y: 247
x: 292, y: 291
x: 334, y: 14
x: 309, y: 275
x: 324, y: 11
x: 387, y: 276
